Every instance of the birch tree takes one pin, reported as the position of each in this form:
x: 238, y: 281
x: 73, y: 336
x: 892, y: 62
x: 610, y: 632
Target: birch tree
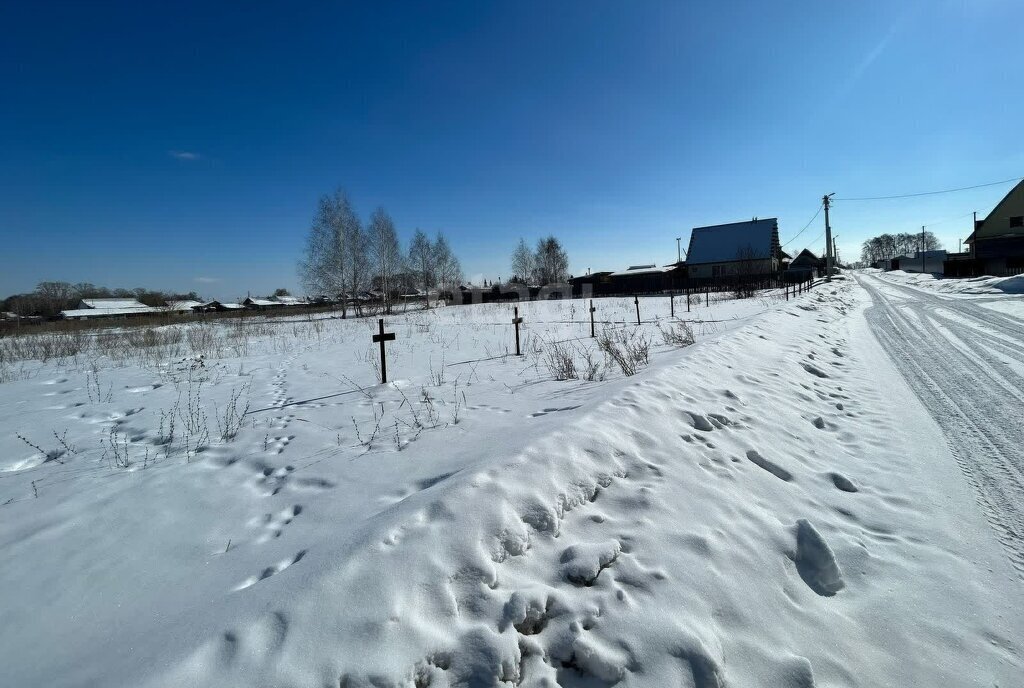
x: 334, y: 249
x: 523, y: 262
x: 552, y: 262
x: 385, y: 254
x: 422, y: 263
x: 447, y: 269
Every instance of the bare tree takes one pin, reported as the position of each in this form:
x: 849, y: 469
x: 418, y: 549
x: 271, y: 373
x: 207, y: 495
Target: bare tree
x: 552, y: 262
x: 447, y: 270
x: 384, y: 253
x: 357, y: 262
x: 523, y: 263
x: 421, y: 263
x: 750, y: 267
x: 334, y: 248
x: 55, y: 297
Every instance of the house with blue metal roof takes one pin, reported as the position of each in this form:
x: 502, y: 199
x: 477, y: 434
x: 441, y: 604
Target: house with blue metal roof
x: 749, y: 248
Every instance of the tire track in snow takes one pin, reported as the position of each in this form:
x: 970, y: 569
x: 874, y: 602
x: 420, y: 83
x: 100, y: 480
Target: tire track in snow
x: 982, y: 430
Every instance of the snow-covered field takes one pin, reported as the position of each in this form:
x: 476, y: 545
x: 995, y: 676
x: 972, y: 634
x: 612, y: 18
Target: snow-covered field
x: 771, y: 506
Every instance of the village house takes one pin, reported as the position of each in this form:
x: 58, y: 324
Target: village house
x: 806, y: 265
x: 108, y: 308
x: 996, y: 246
x: 735, y: 250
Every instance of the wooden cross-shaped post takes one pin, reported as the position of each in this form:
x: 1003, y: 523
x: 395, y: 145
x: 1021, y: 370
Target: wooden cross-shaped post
x: 592, y: 309
x: 381, y: 338
x: 636, y: 300
x: 515, y: 321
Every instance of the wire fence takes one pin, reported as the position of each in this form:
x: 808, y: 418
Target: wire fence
x: 56, y: 473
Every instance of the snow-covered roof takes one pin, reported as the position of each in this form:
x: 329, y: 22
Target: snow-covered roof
x: 220, y: 304
x: 262, y: 302
x: 108, y: 312
x: 185, y: 305
x: 291, y: 300
x: 723, y: 243
x: 119, y: 303
x: 644, y: 270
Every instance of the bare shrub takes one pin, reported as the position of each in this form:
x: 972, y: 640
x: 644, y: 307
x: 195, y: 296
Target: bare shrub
x: 116, y: 449
x: 591, y: 369
x: 560, y: 362
x: 195, y: 429
x: 202, y: 339
x: 628, y: 350
x: 678, y: 334
x: 230, y: 421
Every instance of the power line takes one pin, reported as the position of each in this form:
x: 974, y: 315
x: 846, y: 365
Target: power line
x: 817, y: 212
x: 813, y: 242
x: 930, y: 193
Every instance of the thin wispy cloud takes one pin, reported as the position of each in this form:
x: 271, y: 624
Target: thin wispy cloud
x: 184, y: 155
x: 861, y: 67
x: 873, y: 54
x: 207, y: 280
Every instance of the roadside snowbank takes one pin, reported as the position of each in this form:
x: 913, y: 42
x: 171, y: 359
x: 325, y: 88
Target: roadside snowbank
x: 959, y: 285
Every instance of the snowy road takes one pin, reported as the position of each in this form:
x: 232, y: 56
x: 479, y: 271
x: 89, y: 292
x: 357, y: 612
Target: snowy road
x: 966, y: 364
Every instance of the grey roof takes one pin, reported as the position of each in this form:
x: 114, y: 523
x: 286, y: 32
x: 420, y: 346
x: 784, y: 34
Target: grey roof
x: 722, y: 243
x: 805, y: 257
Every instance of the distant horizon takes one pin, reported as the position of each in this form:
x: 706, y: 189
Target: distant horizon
x: 184, y: 148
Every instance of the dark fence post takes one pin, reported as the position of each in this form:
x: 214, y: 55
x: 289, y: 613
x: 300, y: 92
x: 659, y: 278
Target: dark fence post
x: 381, y: 338
x: 592, y: 309
x: 515, y: 321
x: 636, y: 300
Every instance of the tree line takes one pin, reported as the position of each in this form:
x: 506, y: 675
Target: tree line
x: 50, y: 298
x: 343, y: 258
x: 889, y: 246
x: 547, y: 264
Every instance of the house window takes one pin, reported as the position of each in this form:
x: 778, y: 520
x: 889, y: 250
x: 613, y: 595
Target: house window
x: 1017, y: 221
x: 717, y: 270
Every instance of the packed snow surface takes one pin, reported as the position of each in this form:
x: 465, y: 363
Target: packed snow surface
x: 771, y: 506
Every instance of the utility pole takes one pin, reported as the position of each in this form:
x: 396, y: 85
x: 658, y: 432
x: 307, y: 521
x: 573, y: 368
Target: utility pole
x: 922, y: 249
x: 835, y: 251
x: 974, y: 231
x: 679, y: 250
x: 825, y: 200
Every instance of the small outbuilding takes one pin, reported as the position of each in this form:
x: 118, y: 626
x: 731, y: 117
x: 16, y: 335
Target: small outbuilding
x: 261, y: 304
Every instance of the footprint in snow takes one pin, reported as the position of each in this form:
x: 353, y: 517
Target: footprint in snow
x: 274, y: 524
x: 778, y: 471
x: 271, y: 571
x: 815, y: 561
x: 699, y: 422
x: 843, y: 483
x: 546, y: 411
x: 814, y: 370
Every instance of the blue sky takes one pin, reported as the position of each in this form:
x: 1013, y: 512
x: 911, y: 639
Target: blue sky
x: 183, y: 146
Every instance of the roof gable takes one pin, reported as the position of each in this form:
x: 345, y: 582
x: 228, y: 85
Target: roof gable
x: 997, y: 223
